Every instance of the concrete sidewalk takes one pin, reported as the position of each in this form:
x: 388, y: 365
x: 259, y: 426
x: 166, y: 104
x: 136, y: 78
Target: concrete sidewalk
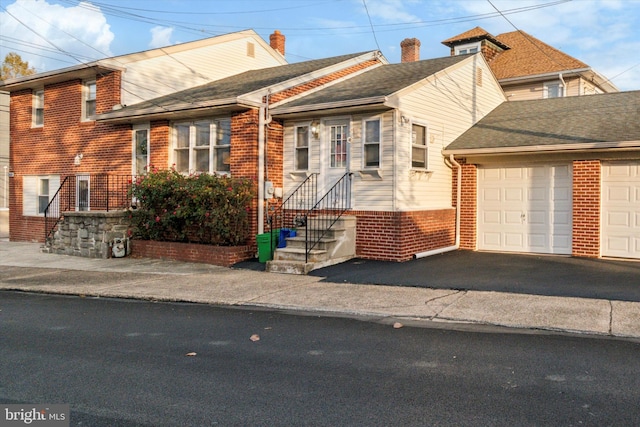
x: 24, y: 267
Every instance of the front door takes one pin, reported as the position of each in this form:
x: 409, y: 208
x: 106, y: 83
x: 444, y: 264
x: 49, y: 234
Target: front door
x: 337, y: 144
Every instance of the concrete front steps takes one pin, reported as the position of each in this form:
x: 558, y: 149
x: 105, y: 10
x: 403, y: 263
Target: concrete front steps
x: 336, y: 246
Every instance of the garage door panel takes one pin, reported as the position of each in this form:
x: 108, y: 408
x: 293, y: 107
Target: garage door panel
x: 538, y: 242
x: 534, y: 203
x: 620, y: 223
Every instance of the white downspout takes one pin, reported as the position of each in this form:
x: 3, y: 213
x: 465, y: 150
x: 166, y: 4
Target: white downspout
x: 456, y: 245
x: 261, y: 124
x: 564, y: 85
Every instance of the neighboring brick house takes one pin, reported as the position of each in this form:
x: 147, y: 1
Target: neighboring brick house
x: 528, y: 68
x: 53, y: 129
x: 554, y: 176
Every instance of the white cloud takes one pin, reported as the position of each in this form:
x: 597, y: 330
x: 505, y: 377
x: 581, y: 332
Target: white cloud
x: 160, y: 37
x: 391, y: 10
x: 53, y: 36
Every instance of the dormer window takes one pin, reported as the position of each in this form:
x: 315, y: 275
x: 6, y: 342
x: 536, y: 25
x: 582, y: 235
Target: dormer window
x: 464, y: 49
x: 553, y: 90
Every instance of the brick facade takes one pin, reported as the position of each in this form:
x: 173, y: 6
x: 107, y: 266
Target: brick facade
x: 586, y: 208
x: 224, y: 256
x: 397, y: 236
x: 469, y: 205
x: 50, y: 149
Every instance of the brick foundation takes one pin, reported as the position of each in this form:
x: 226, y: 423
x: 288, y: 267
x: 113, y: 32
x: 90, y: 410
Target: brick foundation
x: 224, y: 256
x: 397, y: 236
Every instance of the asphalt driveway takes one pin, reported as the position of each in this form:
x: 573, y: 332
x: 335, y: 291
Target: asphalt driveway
x: 486, y: 271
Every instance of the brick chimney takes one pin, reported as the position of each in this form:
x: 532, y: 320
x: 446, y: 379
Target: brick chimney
x: 276, y: 40
x: 410, y: 50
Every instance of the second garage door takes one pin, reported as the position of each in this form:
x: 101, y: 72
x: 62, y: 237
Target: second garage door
x: 621, y: 209
x: 525, y: 209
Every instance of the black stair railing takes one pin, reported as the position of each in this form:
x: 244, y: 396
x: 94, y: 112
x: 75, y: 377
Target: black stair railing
x: 100, y: 192
x: 321, y: 217
x: 62, y: 201
x: 292, y: 212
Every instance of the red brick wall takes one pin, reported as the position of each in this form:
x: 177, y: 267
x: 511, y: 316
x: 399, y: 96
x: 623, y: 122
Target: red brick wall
x: 224, y: 256
x: 51, y: 149
x: 469, y: 205
x: 397, y: 236
x: 586, y: 208
x: 276, y: 97
x: 159, y: 144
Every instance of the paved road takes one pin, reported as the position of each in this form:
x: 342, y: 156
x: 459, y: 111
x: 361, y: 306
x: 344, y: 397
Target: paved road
x: 125, y: 363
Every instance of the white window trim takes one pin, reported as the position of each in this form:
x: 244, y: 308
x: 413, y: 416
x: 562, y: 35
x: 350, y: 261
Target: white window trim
x: 457, y: 49
x: 426, y: 146
x: 134, y: 146
x: 79, y: 179
x: 213, y: 146
x: 561, y: 88
x: 85, y: 98
x: 31, y: 192
x: 364, y: 141
x: 34, y: 122
x: 328, y: 124
x: 296, y: 126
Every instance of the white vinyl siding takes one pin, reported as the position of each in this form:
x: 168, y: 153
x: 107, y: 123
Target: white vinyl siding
x: 33, y: 194
x: 151, y: 77
x: 445, y: 104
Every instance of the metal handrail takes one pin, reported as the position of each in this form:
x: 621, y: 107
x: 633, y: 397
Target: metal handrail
x: 327, y: 211
x: 292, y: 212
x: 105, y: 192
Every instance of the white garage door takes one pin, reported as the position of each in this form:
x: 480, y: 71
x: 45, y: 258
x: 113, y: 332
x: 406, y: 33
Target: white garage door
x: 620, y: 231
x: 525, y: 209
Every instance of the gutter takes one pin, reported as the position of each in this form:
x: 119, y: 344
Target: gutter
x: 583, y: 146
x: 456, y: 245
x: 328, y: 105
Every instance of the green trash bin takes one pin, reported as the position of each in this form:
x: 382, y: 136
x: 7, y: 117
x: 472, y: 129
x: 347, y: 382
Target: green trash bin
x: 263, y: 240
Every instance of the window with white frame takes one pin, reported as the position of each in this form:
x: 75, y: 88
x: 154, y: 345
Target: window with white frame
x: 38, y: 108
x: 140, y: 149
x: 301, y: 144
x: 37, y: 192
x: 419, y: 149
x: 338, y: 135
x: 371, y: 143
x: 202, y: 146
x: 553, y: 90
x: 467, y: 48
x: 89, y: 100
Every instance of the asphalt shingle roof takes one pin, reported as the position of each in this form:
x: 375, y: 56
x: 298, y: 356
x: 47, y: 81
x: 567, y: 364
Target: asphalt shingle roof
x: 238, y: 84
x: 611, y: 117
x: 384, y: 80
x: 524, y: 55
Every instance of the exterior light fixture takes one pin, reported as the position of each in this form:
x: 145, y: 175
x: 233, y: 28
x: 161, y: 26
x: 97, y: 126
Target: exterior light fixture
x: 315, y: 128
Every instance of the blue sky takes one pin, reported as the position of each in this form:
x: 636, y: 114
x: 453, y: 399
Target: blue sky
x: 53, y: 34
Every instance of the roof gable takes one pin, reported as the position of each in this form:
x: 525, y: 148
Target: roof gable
x: 530, y: 56
x: 381, y: 81
x: 533, y: 125
x: 229, y: 89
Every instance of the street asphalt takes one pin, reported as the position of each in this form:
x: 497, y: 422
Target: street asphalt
x: 551, y: 293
